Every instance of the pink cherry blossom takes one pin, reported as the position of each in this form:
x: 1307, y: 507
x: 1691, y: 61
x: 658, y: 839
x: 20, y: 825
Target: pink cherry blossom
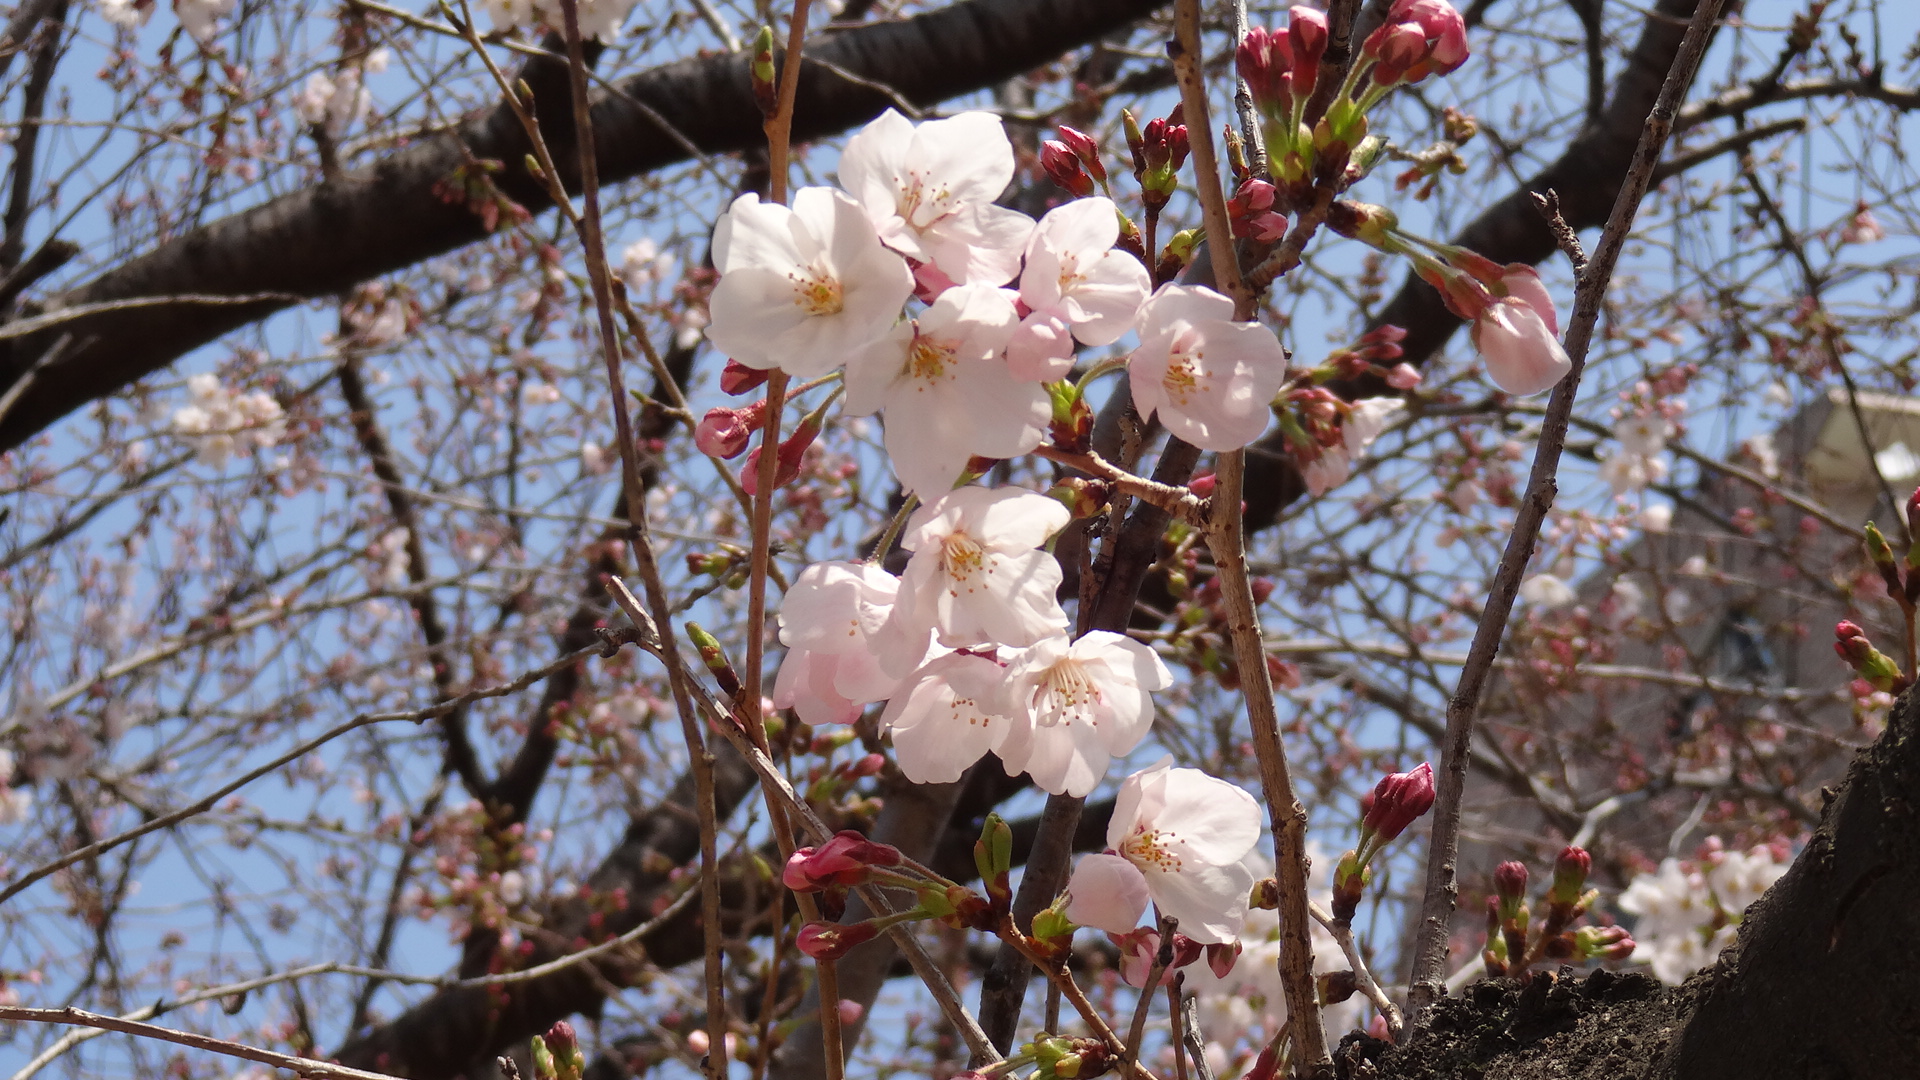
x: 1209, y: 378
x: 1523, y: 356
x: 1075, y: 281
x: 801, y: 289
x: 1187, y: 836
x: 977, y: 575
x: 947, y: 393
x: 930, y: 190
x: 945, y: 717
x: 1077, y: 706
x: 828, y: 621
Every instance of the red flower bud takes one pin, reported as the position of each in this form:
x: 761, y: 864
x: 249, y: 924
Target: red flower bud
x: 1221, y: 958
x: 1265, y: 58
x: 831, y: 941
x: 847, y: 859
x: 1510, y: 880
x: 726, y: 433
x: 792, y: 450
x: 1398, y: 801
x: 737, y: 378
x: 1065, y: 168
x: 1570, y: 872
x: 1086, y: 149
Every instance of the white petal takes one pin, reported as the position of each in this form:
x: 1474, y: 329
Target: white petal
x: 1107, y: 893
x: 1209, y: 901
x: 939, y: 725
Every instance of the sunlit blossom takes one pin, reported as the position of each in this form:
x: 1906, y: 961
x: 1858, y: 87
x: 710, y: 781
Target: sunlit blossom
x: 1209, y: 378
x: 1076, y: 706
x: 1077, y: 287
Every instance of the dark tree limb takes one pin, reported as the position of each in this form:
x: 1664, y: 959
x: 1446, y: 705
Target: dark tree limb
x: 387, y: 217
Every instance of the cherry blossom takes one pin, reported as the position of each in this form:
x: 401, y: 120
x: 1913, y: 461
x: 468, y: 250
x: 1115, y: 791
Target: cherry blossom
x: 944, y: 717
x: 1547, y: 591
x: 1187, y: 836
x: 1210, y: 379
x: 947, y: 393
x: 1077, y: 706
x: 802, y: 289
x: 930, y: 190
x: 1077, y: 287
x: 828, y: 621
x: 977, y: 575
x: 1518, y: 342
x: 221, y: 422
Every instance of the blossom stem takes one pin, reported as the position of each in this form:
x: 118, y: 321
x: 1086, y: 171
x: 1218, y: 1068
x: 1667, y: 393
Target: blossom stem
x: 1177, y: 501
x: 1342, y: 932
x: 892, y: 531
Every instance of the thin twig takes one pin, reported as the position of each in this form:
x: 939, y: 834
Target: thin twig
x: 1342, y: 932
x: 1426, y: 982
x: 319, y: 1070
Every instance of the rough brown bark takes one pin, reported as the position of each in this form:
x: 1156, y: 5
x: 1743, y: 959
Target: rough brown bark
x: 386, y: 217
x: 1823, y: 980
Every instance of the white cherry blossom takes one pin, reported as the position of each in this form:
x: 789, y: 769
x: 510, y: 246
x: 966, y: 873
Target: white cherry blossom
x: 1187, y: 835
x: 1209, y: 378
x: 828, y: 621
x: 1076, y: 286
x: 1076, y: 706
x: 947, y: 393
x: 801, y: 289
x: 977, y: 575
x: 944, y: 717
x: 930, y: 190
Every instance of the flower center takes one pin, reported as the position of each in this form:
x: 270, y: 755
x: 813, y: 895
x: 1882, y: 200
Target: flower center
x: 1147, y: 849
x: 1066, y: 694
x: 818, y: 292
x: 1183, y: 378
x: 919, y: 205
x: 962, y: 557
x: 927, y: 359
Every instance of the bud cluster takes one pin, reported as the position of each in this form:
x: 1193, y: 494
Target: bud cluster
x: 850, y: 860
x: 1514, y: 944
x: 1397, y: 801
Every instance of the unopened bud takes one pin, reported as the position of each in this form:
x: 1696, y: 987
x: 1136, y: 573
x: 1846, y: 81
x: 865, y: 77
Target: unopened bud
x: 1399, y: 799
x: 993, y: 857
x: 1065, y: 168
x: 737, y: 378
x: 1349, y: 885
x: 1881, y: 554
x: 765, y: 93
x: 726, y: 433
x: 1265, y: 895
x: 564, y: 1046
x: 715, y: 659
x: 1871, y: 664
x: 1082, y: 497
x: 1336, y: 986
x: 831, y: 941
x: 1071, y: 424
x: 1570, y: 871
x: 1370, y: 224
x: 792, y: 450
x: 1086, y: 149
x: 1610, y: 943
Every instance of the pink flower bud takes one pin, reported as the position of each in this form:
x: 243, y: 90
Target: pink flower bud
x: 1065, y: 168
x: 1403, y: 377
x: 845, y: 860
x: 737, y: 378
x: 1570, y: 872
x: 726, y: 433
x: 1307, y: 34
x: 831, y: 941
x: 1265, y: 60
x: 1398, y: 800
x: 1523, y: 355
x: 792, y: 450
x: 1510, y: 883
x: 1221, y: 958
x: 851, y: 1011
x: 1086, y: 149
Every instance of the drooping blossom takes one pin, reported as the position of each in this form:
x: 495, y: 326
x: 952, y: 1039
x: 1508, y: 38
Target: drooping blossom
x: 930, y: 189
x: 1185, y: 835
x: 945, y: 716
x: 1518, y: 342
x: 829, y: 620
x: 802, y: 289
x: 846, y: 859
x: 977, y: 575
x: 947, y: 394
x: 1074, y: 707
x: 1210, y: 379
x: 1076, y: 287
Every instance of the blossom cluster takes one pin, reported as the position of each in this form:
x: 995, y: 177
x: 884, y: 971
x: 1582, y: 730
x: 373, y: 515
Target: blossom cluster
x: 222, y: 423
x: 1689, y: 911
x: 199, y: 18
